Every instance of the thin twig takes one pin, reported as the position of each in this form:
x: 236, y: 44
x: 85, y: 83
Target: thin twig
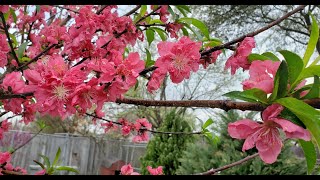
x: 11, y: 172
x: 132, y: 11
x: 299, y: 8
x: 213, y: 171
x: 9, y: 39
x: 144, y: 17
x: 68, y: 9
x: 16, y: 149
x: 11, y: 96
x: 145, y: 129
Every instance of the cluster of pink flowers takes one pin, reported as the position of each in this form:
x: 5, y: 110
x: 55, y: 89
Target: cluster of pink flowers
x: 240, y: 56
x: 140, y: 127
x: 5, y: 158
x: 4, y: 49
x: 128, y: 170
x: 4, y: 127
x: 266, y: 136
x: 179, y: 59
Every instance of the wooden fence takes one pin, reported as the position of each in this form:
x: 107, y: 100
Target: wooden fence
x: 88, y: 155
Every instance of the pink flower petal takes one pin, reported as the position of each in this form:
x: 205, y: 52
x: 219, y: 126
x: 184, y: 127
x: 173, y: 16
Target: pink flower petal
x: 293, y: 130
x: 271, y: 111
x: 242, y: 129
x: 269, y: 151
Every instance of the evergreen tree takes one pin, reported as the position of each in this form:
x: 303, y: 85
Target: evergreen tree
x: 165, y: 149
x: 202, y: 156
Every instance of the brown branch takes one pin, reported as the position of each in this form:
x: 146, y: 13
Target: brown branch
x: 221, y: 104
x: 101, y: 9
x: 11, y: 96
x: 9, y: 39
x: 37, y: 57
x: 150, y: 25
x: 254, y: 32
x: 132, y: 11
x: 145, y: 129
x: 214, y: 171
x: 6, y: 172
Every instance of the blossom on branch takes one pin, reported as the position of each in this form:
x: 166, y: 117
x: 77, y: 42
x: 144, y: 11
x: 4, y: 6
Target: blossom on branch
x: 265, y: 136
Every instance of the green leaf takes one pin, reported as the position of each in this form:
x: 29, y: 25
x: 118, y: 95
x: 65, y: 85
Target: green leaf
x: 14, y: 16
x: 295, y: 65
x: 310, y: 154
x: 150, y: 36
x: 46, y: 160
x: 40, y: 164
x: 199, y: 37
x: 254, y: 56
x: 14, y: 40
x: 149, y: 61
x: 56, y: 158
x: 171, y: 12
x: 156, y: 21
x: 212, y: 43
x: 185, y: 32
x: 271, y: 56
x: 38, y: 8
x: 251, y: 95
x: 21, y: 49
x: 143, y: 10
x: 197, y: 23
x: 287, y: 114
x: 280, y: 82
x: 315, y: 89
x: 182, y: 11
x: 184, y: 7
x: 136, y: 85
x: 207, y: 123
x: 312, y: 41
x: 161, y: 33
x: 315, y: 62
x: 306, y: 113
x: 66, y: 168
x: 309, y: 72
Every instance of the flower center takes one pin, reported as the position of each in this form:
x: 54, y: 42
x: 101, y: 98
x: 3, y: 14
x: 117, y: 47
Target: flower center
x: 60, y: 92
x: 179, y: 63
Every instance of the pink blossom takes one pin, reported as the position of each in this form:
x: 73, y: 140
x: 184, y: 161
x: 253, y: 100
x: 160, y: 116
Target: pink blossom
x: 41, y: 172
x: 9, y: 167
x: 20, y: 169
x: 156, y: 79
x: 262, y: 75
x: 4, y: 8
x: 142, y: 136
x: 179, y: 59
x: 108, y: 126
x: 13, y: 81
x: 4, y: 49
x: 239, y: 58
x: 173, y: 28
x: 4, y: 157
x: 163, y: 12
x: 209, y: 60
x: 142, y: 123
x: 266, y: 136
x: 155, y: 171
x: 128, y: 170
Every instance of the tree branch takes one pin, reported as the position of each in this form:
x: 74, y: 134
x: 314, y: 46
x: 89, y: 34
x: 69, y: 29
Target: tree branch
x: 145, y: 129
x: 132, y: 11
x: 144, y: 17
x: 254, y: 32
x: 214, y: 171
x: 9, y: 39
x: 16, y: 149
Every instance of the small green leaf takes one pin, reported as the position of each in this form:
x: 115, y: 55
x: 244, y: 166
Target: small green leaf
x: 197, y: 23
x: 21, y: 49
x: 161, y: 33
x: 143, y: 10
x: 271, y: 56
x: 182, y: 11
x: 306, y: 113
x: 280, y: 82
x: 66, y: 168
x: 207, y: 123
x: 149, y: 61
x: 315, y: 89
x: 150, y: 36
x: 40, y: 164
x: 309, y: 72
x: 171, y: 12
x: 310, y: 154
x: 14, y: 40
x: 254, y: 56
x: 185, y: 7
x: 56, y: 158
x: 38, y: 8
x: 136, y: 85
x: 156, y: 21
x: 312, y: 41
x: 185, y: 31
x: 46, y: 161
x: 14, y: 16
x: 250, y: 95
x: 196, y: 33
x: 295, y: 65
x: 315, y: 62
x: 287, y: 114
